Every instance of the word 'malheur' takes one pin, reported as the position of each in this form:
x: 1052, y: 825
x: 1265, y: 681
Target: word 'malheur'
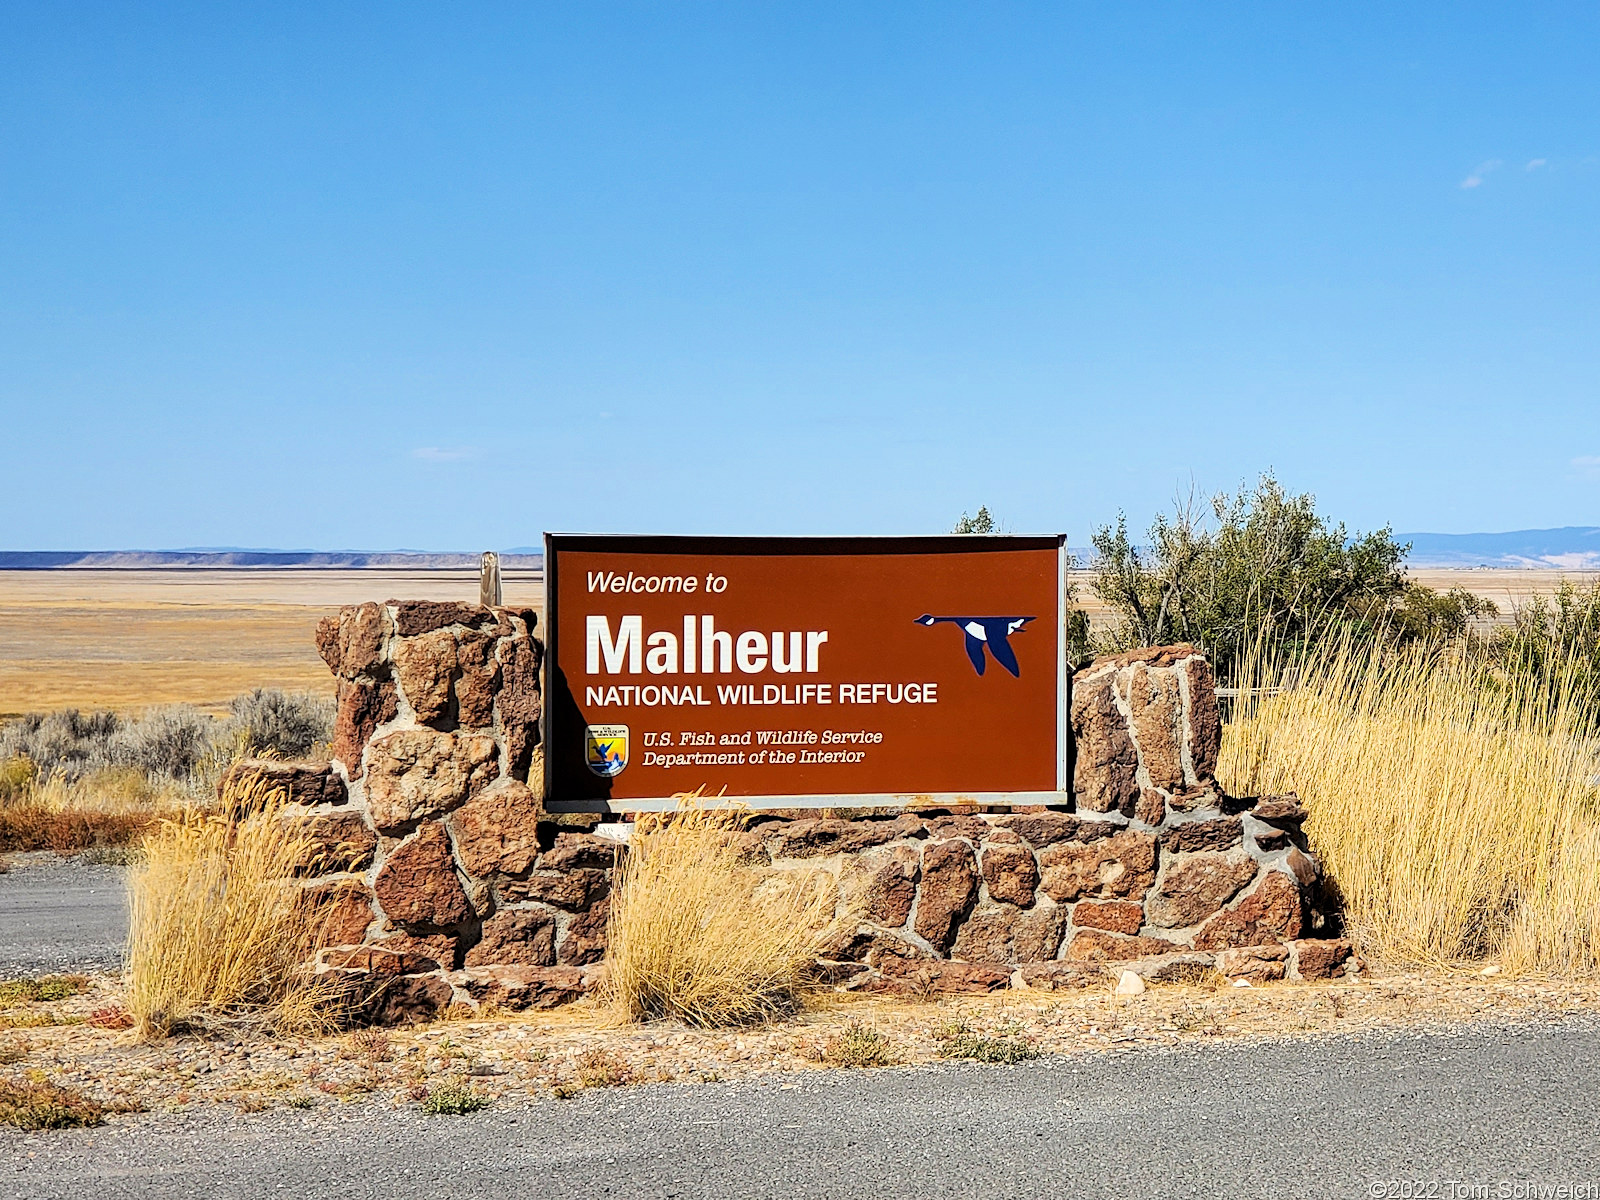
x: 703, y: 647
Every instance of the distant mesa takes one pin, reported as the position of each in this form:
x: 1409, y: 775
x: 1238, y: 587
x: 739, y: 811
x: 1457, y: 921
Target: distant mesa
x: 1571, y: 548
x: 32, y: 560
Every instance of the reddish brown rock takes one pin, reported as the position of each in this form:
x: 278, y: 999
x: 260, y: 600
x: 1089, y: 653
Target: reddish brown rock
x: 418, y: 885
x: 1038, y: 933
x: 973, y: 828
x: 519, y: 701
x: 426, y: 665
x: 1114, y: 916
x: 1119, y: 867
x: 585, y: 939
x: 1273, y: 912
x: 1274, y: 839
x: 1258, y: 964
x: 408, y: 1000
x: 327, y: 640
x: 526, y: 936
x: 572, y: 890
x: 1151, y: 808
x: 1319, y: 959
x: 1063, y: 976
x: 441, y: 948
x: 1275, y: 904
x: 417, y: 773
x: 985, y: 937
x: 337, y: 841
x: 1194, y: 887
x: 1152, y: 656
x: 815, y: 837
x: 1096, y: 945
x: 1105, y: 777
x: 1223, y: 833
x: 1155, y: 701
x: 1205, y: 721
x: 949, y: 886
x: 1302, y: 866
x: 1280, y: 810
x: 518, y: 988
x: 413, y: 617
x: 497, y: 831
x: 345, y: 912
x: 381, y: 961
x: 1194, y: 798
x: 867, y: 943
x: 515, y: 622
x: 1048, y: 828
x: 362, y: 708
x: 1010, y: 872
x: 574, y: 850
x: 881, y: 885
x: 351, y: 643
x: 308, y: 783
x: 479, y: 680
x: 923, y: 977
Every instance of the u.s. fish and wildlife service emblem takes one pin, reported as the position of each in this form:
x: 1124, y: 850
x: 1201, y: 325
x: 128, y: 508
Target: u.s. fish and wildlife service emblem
x: 605, y: 748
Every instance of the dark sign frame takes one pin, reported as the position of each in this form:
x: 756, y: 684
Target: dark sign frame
x: 557, y: 697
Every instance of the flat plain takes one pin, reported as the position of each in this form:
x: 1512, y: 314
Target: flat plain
x: 128, y: 638
x: 125, y: 639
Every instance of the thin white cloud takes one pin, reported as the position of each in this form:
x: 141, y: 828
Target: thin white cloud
x: 1476, y: 178
x: 1535, y: 163
x: 444, y: 453
x: 1589, y: 464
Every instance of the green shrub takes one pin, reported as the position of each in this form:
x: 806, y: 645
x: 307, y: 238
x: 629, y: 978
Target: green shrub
x: 453, y: 1097
x: 859, y: 1045
x: 1264, y: 567
x: 33, y: 1105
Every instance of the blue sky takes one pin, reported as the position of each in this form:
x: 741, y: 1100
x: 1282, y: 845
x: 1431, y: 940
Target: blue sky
x: 342, y: 276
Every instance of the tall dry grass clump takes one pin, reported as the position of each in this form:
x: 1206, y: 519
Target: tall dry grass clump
x: 1455, y: 811
x: 698, y: 935
x: 219, y: 927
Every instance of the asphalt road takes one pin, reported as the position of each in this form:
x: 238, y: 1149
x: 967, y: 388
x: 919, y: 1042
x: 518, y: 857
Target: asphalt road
x: 1331, y: 1117
x: 59, y: 914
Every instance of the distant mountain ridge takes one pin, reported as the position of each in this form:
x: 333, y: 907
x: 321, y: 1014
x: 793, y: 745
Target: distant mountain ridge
x: 31, y: 560
x: 1570, y: 548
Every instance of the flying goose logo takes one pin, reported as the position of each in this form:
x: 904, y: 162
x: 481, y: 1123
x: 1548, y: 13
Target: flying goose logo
x: 980, y: 632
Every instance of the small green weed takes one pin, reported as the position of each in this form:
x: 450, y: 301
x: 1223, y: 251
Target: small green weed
x: 40, y: 1104
x: 859, y: 1045
x: 453, y: 1096
x: 41, y: 990
x: 957, y: 1041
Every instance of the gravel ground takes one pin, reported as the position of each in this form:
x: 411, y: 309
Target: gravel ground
x: 59, y: 914
x: 1320, y: 1117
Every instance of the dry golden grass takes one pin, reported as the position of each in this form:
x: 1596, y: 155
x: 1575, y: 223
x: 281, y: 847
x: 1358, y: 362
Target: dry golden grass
x: 109, y: 807
x: 1459, y: 822
x: 217, y: 925
x: 697, y: 935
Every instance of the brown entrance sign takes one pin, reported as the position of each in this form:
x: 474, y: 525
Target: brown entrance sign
x: 804, y: 672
